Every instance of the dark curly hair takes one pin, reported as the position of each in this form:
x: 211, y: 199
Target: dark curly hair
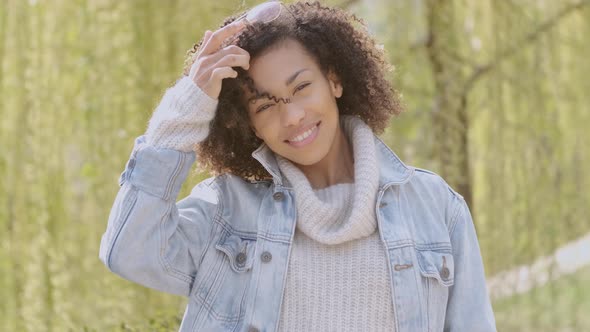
x: 339, y: 42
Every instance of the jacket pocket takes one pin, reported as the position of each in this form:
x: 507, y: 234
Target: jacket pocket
x: 222, y: 293
x: 437, y: 265
x: 437, y: 274
x: 239, y: 252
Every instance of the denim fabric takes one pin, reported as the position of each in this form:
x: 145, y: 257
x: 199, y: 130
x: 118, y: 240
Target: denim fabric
x: 226, y: 245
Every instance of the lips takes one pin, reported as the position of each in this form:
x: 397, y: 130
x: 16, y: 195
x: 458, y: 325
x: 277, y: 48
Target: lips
x: 304, y: 136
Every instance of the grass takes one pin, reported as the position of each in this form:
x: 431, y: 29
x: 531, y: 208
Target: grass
x: 560, y: 306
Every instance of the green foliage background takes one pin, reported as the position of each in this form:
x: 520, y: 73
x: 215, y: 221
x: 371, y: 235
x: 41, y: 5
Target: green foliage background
x: 497, y: 100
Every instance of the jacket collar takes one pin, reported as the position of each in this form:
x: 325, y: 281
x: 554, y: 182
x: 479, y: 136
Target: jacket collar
x: 392, y: 171
x: 266, y: 157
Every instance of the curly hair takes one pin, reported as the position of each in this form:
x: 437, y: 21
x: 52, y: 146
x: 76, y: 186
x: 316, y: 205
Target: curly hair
x: 338, y: 41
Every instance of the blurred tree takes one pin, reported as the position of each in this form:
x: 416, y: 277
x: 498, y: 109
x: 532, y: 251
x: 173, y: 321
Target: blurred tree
x: 496, y: 93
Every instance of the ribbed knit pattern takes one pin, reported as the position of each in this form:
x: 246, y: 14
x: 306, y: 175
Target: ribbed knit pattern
x: 322, y: 221
x: 338, y: 277
x: 182, y: 118
x: 342, y: 287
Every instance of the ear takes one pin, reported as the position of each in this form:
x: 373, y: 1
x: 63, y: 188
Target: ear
x: 335, y: 84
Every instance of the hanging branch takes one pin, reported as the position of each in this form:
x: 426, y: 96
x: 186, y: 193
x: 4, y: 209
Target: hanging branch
x: 527, y: 39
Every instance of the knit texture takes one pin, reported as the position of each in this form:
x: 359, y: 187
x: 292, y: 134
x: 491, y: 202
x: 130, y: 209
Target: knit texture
x: 323, y: 222
x: 338, y: 277
x: 342, y: 287
x: 182, y: 118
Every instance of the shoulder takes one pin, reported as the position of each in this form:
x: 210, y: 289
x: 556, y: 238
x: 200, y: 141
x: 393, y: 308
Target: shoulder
x: 228, y: 184
x: 430, y: 181
x: 230, y: 192
x: 228, y: 199
x: 431, y: 192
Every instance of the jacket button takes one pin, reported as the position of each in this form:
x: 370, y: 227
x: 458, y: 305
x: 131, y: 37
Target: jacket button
x: 253, y: 329
x: 266, y: 256
x: 241, y: 258
x: 278, y: 196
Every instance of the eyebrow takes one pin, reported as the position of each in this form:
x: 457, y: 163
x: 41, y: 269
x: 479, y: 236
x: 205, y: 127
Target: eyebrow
x: 294, y: 76
x: 287, y: 82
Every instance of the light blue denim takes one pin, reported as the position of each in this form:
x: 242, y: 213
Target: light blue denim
x: 226, y: 246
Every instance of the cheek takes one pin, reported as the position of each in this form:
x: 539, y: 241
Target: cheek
x: 263, y: 129
x: 255, y: 132
x: 255, y: 124
x: 256, y: 129
x: 325, y: 97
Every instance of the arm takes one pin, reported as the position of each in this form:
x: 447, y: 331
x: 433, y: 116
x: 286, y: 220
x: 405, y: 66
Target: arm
x: 469, y: 307
x: 149, y: 238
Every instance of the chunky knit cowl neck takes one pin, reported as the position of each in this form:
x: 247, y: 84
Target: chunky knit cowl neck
x: 325, y: 222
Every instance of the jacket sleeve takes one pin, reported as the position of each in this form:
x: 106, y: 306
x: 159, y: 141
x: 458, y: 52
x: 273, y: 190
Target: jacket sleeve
x: 469, y: 307
x: 150, y: 239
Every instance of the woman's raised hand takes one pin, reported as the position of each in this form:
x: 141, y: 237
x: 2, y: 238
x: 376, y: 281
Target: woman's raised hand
x: 214, y: 63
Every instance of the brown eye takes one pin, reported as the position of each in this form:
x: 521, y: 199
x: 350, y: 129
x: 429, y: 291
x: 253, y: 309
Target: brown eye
x: 264, y: 107
x: 301, y: 87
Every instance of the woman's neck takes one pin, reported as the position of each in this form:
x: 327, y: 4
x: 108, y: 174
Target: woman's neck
x: 336, y: 167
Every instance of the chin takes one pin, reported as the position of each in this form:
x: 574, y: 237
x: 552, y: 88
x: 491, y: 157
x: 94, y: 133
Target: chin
x: 310, y: 155
x: 307, y: 159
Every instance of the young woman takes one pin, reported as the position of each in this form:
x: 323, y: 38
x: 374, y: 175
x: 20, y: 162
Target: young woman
x: 312, y: 223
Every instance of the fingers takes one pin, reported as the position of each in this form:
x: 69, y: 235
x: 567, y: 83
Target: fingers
x: 209, y: 71
x: 223, y: 72
x: 212, y: 86
x: 206, y: 38
x: 222, y: 68
x: 231, y: 56
x: 216, y: 39
x: 234, y: 60
x: 213, y: 63
x: 208, y: 34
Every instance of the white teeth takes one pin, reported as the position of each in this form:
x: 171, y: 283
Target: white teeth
x: 303, y: 136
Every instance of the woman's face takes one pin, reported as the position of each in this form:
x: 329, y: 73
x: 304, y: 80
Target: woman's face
x: 304, y: 128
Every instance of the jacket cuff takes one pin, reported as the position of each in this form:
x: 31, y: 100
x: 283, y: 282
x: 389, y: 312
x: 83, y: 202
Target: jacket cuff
x: 159, y: 172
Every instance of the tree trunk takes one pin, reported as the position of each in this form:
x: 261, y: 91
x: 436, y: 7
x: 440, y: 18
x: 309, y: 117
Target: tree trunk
x: 450, y: 120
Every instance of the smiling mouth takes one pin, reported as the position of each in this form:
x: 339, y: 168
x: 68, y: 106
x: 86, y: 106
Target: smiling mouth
x: 306, y: 137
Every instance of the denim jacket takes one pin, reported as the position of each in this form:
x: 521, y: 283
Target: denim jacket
x: 226, y: 246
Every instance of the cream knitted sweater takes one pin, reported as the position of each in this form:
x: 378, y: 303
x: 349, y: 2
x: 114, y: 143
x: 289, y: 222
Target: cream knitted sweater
x: 337, y: 277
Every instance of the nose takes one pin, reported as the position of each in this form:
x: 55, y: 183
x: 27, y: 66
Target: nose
x: 291, y: 114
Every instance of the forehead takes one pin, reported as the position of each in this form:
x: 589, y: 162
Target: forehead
x: 278, y: 62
